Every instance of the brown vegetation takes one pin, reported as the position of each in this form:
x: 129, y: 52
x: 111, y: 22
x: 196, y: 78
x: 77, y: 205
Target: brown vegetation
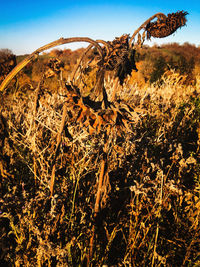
x: 146, y: 154
x: 7, y: 63
x: 111, y: 178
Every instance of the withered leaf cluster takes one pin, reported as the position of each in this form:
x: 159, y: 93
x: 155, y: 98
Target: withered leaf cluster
x: 54, y: 67
x: 91, y: 117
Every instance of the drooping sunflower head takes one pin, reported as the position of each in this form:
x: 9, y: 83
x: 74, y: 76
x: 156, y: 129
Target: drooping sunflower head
x: 121, y: 58
x: 166, y: 26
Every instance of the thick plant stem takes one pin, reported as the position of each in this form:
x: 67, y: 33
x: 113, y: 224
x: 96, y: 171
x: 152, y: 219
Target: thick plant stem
x: 34, y: 127
x: 98, y: 196
x: 62, y: 125
x: 98, y: 199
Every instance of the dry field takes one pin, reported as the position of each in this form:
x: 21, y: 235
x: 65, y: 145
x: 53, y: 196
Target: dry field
x: 105, y: 176
x: 143, y: 149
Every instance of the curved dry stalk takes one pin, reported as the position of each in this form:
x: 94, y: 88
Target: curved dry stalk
x: 14, y: 72
x: 157, y: 15
x: 58, y: 141
x: 107, y: 46
x: 79, y: 62
x: 37, y: 91
x: 35, y: 54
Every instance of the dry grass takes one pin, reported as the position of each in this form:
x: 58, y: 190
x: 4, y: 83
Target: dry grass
x: 145, y: 150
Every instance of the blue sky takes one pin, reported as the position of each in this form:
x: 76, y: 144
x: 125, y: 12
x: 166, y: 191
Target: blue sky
x: 27, y: 25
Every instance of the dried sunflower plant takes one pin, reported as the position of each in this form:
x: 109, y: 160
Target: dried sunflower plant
x: 102, y: 172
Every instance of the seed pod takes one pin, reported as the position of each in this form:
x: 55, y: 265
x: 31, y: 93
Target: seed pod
x: 165, y: 27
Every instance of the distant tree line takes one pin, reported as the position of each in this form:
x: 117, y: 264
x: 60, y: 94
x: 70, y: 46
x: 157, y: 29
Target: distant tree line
x: 153, y: 61
x: 184, y: 59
